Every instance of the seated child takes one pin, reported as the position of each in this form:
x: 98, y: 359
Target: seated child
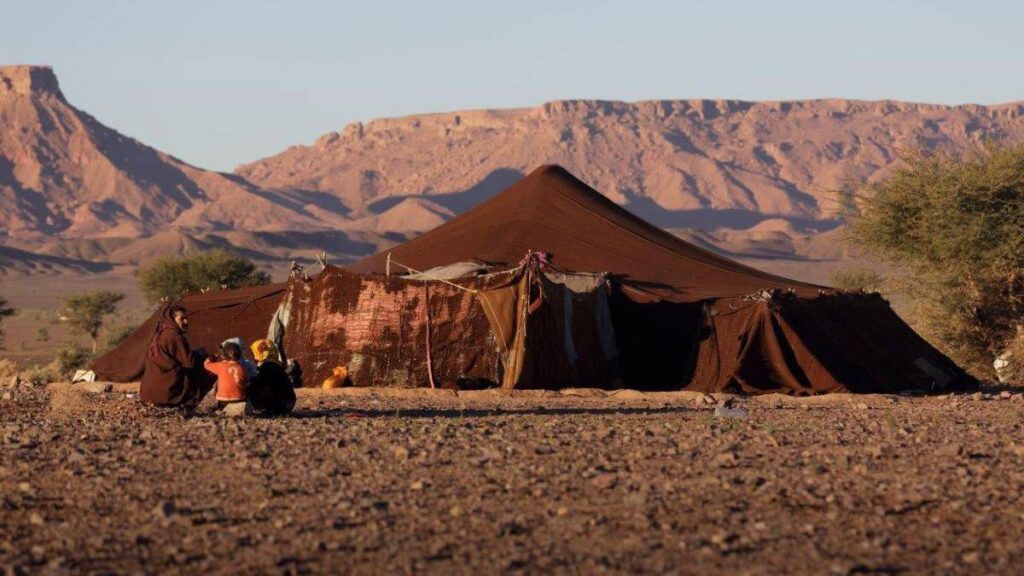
x: 231, y: 378
x: 249, y: 365
x: 271, y: 391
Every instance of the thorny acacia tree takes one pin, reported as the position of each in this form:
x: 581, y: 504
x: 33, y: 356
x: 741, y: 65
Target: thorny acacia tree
x: 956, y: 226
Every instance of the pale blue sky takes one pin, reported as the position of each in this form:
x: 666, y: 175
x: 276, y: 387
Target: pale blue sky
x: 219, y: 83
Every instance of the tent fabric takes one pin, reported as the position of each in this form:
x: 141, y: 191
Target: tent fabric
x: 832, y: 343
x: 380, y: 329
x: 552, y: 211
x: 213, y: 318
x: 483, y: 331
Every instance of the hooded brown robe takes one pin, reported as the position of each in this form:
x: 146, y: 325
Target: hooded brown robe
x: 174, y: 374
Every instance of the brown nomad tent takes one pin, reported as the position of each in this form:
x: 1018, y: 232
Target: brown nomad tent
x: 213, y: 317
x: 682, y: 317
x: 549, y: 284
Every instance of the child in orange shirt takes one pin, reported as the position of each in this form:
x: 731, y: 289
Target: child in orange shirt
x: 231, y: 377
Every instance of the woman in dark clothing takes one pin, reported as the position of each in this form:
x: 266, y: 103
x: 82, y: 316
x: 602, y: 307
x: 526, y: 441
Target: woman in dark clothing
x: 270, y: 392
x: 174, y: 373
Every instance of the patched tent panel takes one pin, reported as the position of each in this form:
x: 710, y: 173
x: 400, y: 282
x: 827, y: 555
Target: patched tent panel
x: 515, y: 328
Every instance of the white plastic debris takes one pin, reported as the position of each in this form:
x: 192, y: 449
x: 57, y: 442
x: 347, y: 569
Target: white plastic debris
x: 84, y: 376
x: 726, y: 412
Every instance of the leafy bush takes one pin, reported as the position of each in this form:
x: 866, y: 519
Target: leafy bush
x: 956, y: 230
x: 857, y: 279
x: 172, y: 277
x: 86, y: 313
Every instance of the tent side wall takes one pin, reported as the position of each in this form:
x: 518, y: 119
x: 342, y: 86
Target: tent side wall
x: 213, y: 318
x: 803, y: 346
x: 480, y: 332
x: 378, y: 329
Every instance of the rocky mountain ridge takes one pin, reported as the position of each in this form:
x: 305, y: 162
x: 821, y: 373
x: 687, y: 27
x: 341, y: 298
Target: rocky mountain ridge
x: 747, y: 178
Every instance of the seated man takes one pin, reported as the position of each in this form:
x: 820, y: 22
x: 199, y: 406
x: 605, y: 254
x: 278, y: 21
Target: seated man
x: 174, y: 373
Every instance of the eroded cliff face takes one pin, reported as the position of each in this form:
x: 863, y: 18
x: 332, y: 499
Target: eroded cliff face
x: 708, y: 164
x: 747, y: 178
x: 64, y: 174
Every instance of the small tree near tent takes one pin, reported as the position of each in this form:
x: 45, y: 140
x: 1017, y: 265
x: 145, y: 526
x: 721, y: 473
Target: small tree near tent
x: 172, y: 277
x: 86, y: 313
x: 955, y: 230
x: 5, y: 311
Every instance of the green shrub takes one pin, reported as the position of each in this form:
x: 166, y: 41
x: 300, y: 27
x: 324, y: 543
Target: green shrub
x: 170, y: 278
x: 955, y: 230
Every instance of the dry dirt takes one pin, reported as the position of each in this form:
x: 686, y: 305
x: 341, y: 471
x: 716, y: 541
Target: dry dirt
x: 373, y: 482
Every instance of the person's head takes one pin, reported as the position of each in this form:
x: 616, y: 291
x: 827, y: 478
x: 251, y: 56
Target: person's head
x: 180, y: 317
x: 265, y: 351
x: 230, y: 351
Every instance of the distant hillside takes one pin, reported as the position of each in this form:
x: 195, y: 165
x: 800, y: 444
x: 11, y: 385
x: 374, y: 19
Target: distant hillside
x: 725, y: 167
x: 749, y: 179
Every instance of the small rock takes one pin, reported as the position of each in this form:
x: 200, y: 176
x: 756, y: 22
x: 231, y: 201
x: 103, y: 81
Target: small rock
x: 7, y: 396
x: 234, y: 410
x: 401, y: 452
x: 971, y: 557
x: 24, y: 487
x: 1005, y: 395
x: 165, y: 509
x: 562, y: 511
x: 948, y: 451
x: 417, y: 486
x: 861, y: 405
x: 95, y: 387
x: 730, y: 413
x: 725, y: 458
x: 604, y: 481
x: 455, y: 511
x: 36, y: 519
x: 977, y: 396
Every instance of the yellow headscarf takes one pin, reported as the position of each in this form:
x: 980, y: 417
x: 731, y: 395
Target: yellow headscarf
x: 265, y: 351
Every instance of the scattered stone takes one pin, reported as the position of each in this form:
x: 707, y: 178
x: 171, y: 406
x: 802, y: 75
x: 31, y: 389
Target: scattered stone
x: 562, y: 511
x: 725, y: 458
x: 455, y: 511
x: 401, y: 452
x: 165, y: 509
x: 1005, y: 395
x: 36, y: 519
x: 234, y: 410
x: 861, y: 405
x: 95, y: 387
x: 730, y: 413
x: 416, y: 486
x: 604, y: 481
x: 972, y: 557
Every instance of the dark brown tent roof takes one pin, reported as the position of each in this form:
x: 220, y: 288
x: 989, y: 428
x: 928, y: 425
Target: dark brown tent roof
x: 552, y: 211
x: 213, y: 318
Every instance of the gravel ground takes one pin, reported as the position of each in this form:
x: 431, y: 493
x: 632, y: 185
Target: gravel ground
x: 383, y: 482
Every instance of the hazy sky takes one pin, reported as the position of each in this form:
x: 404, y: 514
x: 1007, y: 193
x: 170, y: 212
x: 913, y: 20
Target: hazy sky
x: 222, y: 83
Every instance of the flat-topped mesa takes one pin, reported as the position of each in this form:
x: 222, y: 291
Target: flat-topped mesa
x: 29, y: 81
